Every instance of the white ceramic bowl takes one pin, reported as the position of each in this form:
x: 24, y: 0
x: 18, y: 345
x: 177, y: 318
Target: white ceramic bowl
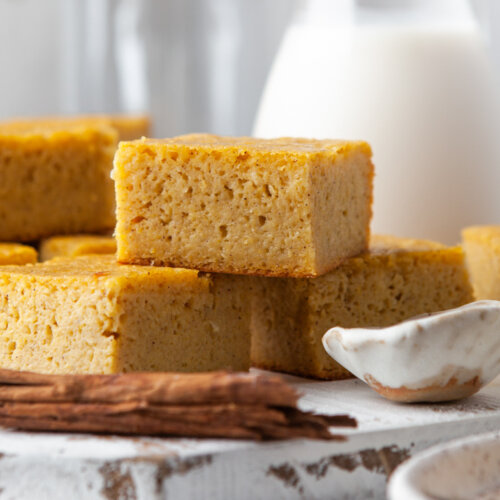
x: 436, y: 357
x: 467, y: 468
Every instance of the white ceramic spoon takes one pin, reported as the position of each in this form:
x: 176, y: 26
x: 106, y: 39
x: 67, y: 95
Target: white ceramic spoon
x: 437, y: 357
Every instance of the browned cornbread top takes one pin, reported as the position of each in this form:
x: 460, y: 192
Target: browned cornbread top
x: 288, y: 145
x: 54, y: 178
x: 287, y: 206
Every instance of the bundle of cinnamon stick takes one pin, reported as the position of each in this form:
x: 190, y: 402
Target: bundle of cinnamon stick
x: 215, y: 404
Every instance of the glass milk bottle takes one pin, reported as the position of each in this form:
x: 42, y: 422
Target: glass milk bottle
x: 413, y: 78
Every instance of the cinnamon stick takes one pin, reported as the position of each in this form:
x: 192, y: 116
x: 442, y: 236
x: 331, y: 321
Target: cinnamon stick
x: 216, y: 404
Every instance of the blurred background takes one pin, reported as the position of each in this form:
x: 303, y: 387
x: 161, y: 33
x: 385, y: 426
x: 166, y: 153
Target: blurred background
x: 193, y: 64
x: 196, y: 65
x: 418, y: 79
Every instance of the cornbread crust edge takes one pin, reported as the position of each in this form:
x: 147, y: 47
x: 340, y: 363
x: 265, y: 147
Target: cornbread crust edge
x: 482, y: 253
x: 247, y: 242
x: 378, y: 289
x: 335, y: 198
x: 90, y: 315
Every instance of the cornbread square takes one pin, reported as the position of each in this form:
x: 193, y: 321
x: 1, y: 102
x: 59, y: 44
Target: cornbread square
x: 55, y: 179
x: 281, y: 207
x: 482, y: 254
x: 91, y: 315
x: 73, y: 246
x: 14, y: 253
x: 395, y: 280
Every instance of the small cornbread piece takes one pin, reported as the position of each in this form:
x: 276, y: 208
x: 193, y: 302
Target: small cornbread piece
x: 280, y: 207
x: 395, y: 280
x: 73, y: 246
x: 14, y: 253
x: 55, y: 179
x: 91, y: 315
x: 482, y: 253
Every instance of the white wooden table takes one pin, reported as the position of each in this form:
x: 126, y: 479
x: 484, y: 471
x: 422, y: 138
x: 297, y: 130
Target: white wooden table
x: 60, y: 466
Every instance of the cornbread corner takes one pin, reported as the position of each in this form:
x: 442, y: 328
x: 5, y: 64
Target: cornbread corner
x: 280, y: 207
x: 482, y: 253
x: 73, y: 246
x: 17, y: 254
x: 55, y: 178
x: 397, y: 279
x: 91, y: 315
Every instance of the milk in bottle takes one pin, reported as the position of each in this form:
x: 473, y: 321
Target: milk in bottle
x: 413, y: 78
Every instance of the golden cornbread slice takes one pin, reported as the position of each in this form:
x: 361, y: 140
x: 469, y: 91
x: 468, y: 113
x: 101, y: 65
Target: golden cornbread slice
x: 395, y: 280
x: 14, y: 253
x: 280, y: 207
x: 73, y: 246
x: 55, y: 179
x: 482, y: 253
x: 91, y: 315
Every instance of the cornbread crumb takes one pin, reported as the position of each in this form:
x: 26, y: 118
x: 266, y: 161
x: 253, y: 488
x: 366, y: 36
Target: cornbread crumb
x: 396, y: 280
x: 14, y: 253
x: 73, y: 246
x: 289, y: 207
x: 482, y: 253
x: 55, y: 179
x: 91, y: 315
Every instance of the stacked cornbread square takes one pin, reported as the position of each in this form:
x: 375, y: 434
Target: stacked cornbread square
x: 293, y: 211
x: 282, y: 207
x: 396, y: 279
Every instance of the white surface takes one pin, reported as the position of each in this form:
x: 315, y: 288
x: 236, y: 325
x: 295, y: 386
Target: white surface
x: 430, y: 350
x: 459, y: 470
x: 51, y: 466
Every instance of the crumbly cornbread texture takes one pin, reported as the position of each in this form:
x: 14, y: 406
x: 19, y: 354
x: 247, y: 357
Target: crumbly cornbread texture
x: 397, y: 279
x: 73, y: 246
x: 91, y: 315
x: 482, y: 253
x: 14, y: 253
x: 55, y: 179
x: 281, y: 207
